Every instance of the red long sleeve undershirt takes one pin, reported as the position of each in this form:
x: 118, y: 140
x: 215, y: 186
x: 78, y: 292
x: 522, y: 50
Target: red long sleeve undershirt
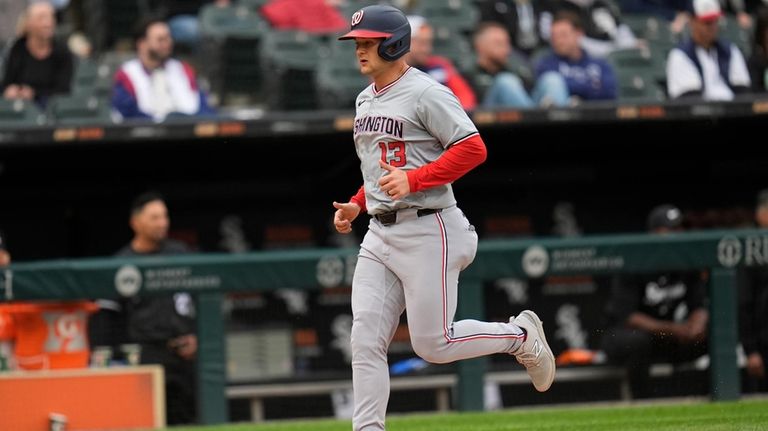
x: 458, y: 159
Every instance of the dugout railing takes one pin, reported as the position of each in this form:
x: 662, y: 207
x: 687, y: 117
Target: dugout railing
x: 209, y: 276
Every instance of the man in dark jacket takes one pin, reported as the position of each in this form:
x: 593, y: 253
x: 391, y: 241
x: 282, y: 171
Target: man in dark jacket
x: 164, y: 326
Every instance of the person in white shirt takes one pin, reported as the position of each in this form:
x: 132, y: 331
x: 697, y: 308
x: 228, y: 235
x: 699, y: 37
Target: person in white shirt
x: 706, y: 66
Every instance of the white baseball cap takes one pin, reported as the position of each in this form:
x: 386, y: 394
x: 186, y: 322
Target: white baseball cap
x: 707, y: 10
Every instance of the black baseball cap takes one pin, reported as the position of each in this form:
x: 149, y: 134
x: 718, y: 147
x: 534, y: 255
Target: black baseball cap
x: 665, y: 216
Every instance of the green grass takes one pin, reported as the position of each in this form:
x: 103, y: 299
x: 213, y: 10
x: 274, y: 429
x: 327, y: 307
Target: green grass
x: 749, y: 415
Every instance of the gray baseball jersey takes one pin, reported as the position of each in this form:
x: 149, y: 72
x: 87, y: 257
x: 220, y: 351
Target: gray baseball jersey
x: 414, y: 263
x: 388, y: 128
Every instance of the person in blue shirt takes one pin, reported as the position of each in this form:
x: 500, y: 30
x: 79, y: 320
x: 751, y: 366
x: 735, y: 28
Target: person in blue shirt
x: 587, y: 78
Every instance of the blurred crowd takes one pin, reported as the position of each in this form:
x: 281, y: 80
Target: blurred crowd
x: 158, y: 59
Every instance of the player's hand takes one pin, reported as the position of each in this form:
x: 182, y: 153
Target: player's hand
x: 755, y: 366
x: 344, y: 216
x: 395, y: 182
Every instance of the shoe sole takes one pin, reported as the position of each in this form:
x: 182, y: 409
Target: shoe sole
x: 534, y: 318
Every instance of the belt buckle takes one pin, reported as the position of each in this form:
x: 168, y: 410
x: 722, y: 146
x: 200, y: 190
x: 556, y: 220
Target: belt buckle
x: 387, y: 219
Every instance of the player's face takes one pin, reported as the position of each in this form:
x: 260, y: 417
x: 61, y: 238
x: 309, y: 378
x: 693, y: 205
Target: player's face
x: 367, y: 51
x: 152, y: 222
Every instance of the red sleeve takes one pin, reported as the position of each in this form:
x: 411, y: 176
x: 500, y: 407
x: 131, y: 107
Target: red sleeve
x: 460, y: 158
x: 359, y: 199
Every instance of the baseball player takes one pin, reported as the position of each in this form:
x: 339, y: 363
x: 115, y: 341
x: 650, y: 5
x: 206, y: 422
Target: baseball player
x: 413, y: 139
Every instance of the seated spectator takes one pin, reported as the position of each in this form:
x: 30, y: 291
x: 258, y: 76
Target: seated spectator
x: 439, y: 68
x: 656, y: 317
x: 37, y: 67
x: 154, y: 85
x: 758, y: 61
x: 519, y: 17
x: 312, y: 16
x: 497, y: 84
x: 706, y: 67
x: 604, y: 31
x: 587, y: 78
x: 753, y: 310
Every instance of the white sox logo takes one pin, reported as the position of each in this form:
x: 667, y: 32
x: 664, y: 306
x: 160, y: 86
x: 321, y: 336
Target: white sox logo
x: 357, y: 17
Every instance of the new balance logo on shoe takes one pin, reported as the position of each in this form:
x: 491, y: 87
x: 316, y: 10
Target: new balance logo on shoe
x: 536, y: 348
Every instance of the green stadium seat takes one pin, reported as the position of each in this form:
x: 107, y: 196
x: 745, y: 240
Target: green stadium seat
x: 80, y: 110
x: 454, y: 46
x: 92, y: 78
x: 731, y: 30
x: 19, y: 113
x: 229, y: 54
x: 636, y: 75
x: 289, y: 59
x: 338, y: 79
x: 459, y: 15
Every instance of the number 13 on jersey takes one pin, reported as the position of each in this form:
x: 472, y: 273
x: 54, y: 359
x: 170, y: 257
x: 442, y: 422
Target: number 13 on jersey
x: 397, y: 156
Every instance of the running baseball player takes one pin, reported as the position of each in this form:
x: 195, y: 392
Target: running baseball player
x: 414, y: 139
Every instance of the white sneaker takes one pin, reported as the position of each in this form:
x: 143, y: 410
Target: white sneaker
x: 535, y: 353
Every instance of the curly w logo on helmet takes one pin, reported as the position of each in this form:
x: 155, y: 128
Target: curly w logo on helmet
x: 357, y: 17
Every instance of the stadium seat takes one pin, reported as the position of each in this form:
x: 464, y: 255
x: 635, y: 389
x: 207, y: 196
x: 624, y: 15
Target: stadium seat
x: 731, y: 30
x: 636, y: 75
x: 229, y: 55
x: 289, y: 59
x: 454, y: 46
x: 338, y: 79
x: 79, y: 110
x: 92, y: 78
x: 19, y: 113
x: 460, y: 15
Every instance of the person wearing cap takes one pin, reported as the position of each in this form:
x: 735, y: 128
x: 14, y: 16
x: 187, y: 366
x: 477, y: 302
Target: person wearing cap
x: 753, y: 310
x: 659, y: 317
x: 706, y: 66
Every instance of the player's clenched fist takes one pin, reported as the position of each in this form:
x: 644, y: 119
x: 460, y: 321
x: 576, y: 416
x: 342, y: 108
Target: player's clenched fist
x: 395, y: 182
x: 344, y: 216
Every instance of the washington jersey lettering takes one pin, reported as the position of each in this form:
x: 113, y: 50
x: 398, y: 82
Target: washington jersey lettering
x: 407, y: 124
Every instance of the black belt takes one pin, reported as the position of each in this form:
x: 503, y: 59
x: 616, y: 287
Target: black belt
x: 390, y: 218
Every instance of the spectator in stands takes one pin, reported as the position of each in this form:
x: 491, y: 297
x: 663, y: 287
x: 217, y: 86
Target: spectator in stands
x: 656, y: 317
x: 604, y: 31
x: 758, y: 61
x: 37, y: 66
x: 163, y: 326
x: 753, y: 309
x: 705, y: 67
x: 438, y: 67
x: 154, y: 84
x: 498, y: 83
x: 587, y: 78
x: 313, y: 16
x: 519, y: 17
